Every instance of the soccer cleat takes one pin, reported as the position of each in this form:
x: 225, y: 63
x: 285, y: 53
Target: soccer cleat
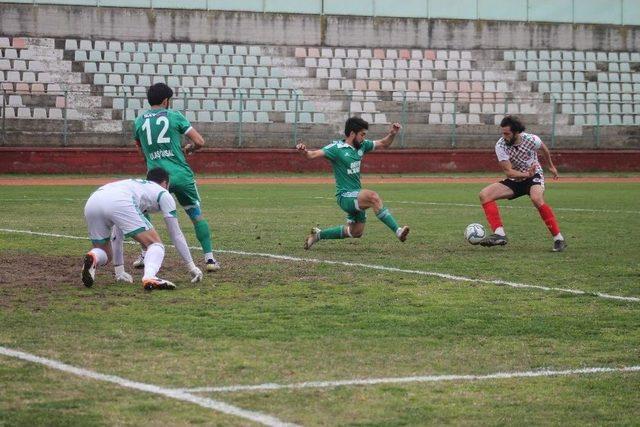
x: 559, y: 245
x: 155, y: 283
x: 312, y: 238
x: 213, y: 265
x: 139, y: 262
x: 89, y: 270
x: 402, y: 233
x: 494, y: 240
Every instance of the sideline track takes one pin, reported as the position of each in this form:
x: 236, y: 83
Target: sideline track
x: 374, y: 267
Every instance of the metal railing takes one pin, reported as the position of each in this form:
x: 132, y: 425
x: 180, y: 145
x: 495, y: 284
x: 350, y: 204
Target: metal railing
x: 461, y: 117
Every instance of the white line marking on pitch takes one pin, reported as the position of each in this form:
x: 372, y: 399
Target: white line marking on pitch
x: 416, y: 379
x: 466, y: 205
x: 375, y: 267
x: 216, y: 405
x: 469, y: 205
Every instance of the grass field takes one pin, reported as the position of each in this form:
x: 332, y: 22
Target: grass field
x: 271, y: 320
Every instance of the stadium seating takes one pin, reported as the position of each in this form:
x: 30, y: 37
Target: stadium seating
x: 106, y: 81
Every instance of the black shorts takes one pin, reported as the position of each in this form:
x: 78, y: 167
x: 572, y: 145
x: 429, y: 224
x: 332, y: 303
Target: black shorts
x: 521, y: 188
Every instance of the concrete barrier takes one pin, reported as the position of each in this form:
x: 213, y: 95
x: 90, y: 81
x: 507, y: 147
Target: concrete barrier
x: 230, y: 161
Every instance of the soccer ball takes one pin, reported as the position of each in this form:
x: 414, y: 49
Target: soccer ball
x: 474, y: 233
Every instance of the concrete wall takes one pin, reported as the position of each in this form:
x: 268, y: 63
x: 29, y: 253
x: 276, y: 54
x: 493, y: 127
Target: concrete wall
x: 229, y: 161
x: 300, y: 29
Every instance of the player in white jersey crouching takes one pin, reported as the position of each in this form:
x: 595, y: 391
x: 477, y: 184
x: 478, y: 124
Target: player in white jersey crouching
x: 115, y: 210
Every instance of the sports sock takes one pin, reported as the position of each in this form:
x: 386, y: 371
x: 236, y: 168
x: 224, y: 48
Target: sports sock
x: 492, y: 213
x: 332, y: 233
x: 100, y: 256
x: 153, y: 260
x: 385, y: 216
x: 208, y: 256
x: 546, y: 213
x: 203, y: 235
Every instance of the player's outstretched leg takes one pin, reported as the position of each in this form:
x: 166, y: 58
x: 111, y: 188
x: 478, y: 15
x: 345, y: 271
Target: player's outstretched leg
x: 337, y: 232
x: 94, y: 258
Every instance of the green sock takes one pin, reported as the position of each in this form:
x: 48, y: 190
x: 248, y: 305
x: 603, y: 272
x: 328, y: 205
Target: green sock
x: 385, y: 216
x: 332, y: 233
x: 203, y: 235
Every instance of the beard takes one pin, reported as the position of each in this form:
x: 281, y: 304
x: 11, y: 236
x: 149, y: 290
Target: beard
x: 511, y: 141
x: 357, y: 144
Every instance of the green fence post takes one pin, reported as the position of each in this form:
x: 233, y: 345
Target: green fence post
x: 240, y: 110
x: 553, y: 121
x: 295, y: 120
x: 598, y: 122
x: 64, y: 123
x: 124, y: 118
x: 403, y: 118
x: 4, y: 116
x: 453, y: 124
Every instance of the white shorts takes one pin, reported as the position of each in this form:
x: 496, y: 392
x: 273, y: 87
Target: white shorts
x: 103, y: 210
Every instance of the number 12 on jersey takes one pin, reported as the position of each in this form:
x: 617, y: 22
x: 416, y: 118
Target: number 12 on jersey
x: 160, y: 121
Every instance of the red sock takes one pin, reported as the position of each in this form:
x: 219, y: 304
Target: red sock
x: 493, y: 215
x: 549, y: 219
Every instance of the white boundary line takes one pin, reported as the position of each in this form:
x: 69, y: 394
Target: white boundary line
x: 466, y: 205
x: 416, y: 379
x: 375, y: 267
x: 469, y: 205
x: 184, y: 396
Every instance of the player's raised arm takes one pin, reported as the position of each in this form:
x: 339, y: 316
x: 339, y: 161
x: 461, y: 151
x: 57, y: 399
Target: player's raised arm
x: 197, y: 141
x: 388, y: 140
x: 546, y: 154
x: 309, y: 154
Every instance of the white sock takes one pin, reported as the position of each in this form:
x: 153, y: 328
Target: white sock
x: 208, y: 256
x: 558, y: 237
x: 153, y: 260
x: 500, y: 231
x: 100, y: 256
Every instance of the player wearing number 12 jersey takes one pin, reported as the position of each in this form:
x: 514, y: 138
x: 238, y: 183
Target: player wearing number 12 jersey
x: 157, y: 133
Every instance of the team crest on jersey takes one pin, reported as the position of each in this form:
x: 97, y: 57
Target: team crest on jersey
x: 360, y: 152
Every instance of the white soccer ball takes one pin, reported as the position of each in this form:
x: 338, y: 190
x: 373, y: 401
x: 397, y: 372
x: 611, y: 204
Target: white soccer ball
x: 474, y: 233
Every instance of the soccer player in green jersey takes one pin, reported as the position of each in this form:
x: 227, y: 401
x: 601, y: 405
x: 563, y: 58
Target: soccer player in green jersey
x: 158, y: 134
x: 345, y: 157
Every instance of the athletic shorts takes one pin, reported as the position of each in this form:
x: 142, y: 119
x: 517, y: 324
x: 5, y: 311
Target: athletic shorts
x: 522, y: 188
x: 103, y: 210
x: 348, y: 202
x: 186, y: 192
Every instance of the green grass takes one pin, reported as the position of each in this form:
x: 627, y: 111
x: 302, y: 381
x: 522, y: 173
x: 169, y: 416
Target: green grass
x: 263, y: 320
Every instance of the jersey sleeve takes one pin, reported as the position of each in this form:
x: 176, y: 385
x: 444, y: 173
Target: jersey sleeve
x: 330, y: 151
x: 368, y: 145
x: 501, y: 153
x: 182, y: 124
x: 167, y: 204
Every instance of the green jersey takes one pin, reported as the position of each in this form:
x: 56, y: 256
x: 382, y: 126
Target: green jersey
x: 345, y: 161
x: 159, y: 132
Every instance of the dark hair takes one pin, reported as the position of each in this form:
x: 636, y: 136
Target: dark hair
x: 158, y: 175
x: 514, y: 124
x: 158, y: 93
x: 354, y: 124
